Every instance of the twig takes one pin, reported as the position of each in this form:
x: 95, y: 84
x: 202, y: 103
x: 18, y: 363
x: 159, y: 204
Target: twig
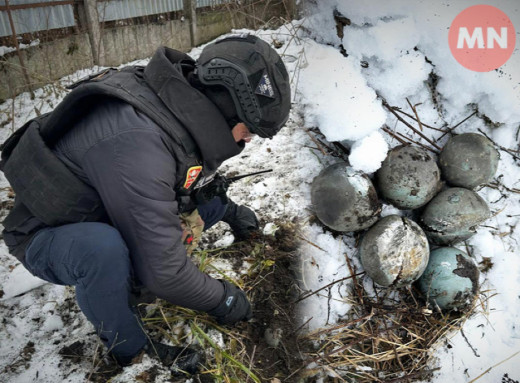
x: 508, y: 151
x: 496, y: 186
x: 406, y: 140
x: 397, y: 109
x: 415, y: 112
x: 310, y: 243
x: 388, y: 131
x: 492, y: 367
x: 354, y: 279
x: 316, y: 142
x: 418, y: 143
x: 327, y: 286
x: 341, y: 147
x: 13, y: 126
x: 343, y: 325
x: 360, y: 339
x: 300, y: 327
x: 338, y: 350
x: 394, y: 349
x: 456, y: 126
x: 406, y: 378
x: 329, y: 297
x: 293, y: 34
x: 385, y: 104
x: 165, y: 319
x: 469, y: 344
x: 251, y: 362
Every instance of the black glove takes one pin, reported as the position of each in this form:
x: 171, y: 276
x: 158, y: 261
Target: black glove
x: 233, y: 307
x: 241, y: 219
x: 176, y: 358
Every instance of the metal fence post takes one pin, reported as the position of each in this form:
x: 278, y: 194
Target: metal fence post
x: 94, y: 31
x: 190, y: 11
x: 19, y: 53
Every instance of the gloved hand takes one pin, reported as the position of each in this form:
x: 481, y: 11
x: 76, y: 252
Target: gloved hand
x: 233, y: 307
x: 192, y: 227
x: 241, y: 219
x: 176, y: 358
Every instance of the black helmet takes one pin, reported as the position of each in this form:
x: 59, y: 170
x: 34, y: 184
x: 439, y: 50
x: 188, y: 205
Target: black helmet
x: 255, y: 76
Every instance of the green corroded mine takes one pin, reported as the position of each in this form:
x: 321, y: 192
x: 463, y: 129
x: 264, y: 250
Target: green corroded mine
x: 409, y: 177
x: 450, y: 280
x: 453, y: 216
x: 394, y: 252
x: 343, y: 199
x: 468, y: 160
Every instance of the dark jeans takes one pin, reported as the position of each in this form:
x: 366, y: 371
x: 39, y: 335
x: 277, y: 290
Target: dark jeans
x: 94, y: 258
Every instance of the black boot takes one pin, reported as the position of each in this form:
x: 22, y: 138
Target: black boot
x: 242, y: 220
x: 176, y: 358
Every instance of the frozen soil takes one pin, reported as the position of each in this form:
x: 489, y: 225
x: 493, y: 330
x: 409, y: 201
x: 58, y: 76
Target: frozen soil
x: 272, y: 336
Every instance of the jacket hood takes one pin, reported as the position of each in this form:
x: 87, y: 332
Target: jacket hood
x: 166, y: 75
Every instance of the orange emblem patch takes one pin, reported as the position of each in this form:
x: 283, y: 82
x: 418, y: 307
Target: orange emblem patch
x: 192, y: 175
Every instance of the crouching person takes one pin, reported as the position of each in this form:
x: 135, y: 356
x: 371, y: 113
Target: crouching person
x: 105, y: 184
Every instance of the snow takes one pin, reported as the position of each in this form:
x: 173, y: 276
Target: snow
x: 322, y: 263
x: 336, y: 96
x: 387, y: 34
x: 4, y: 50
x: 403, y: 47
x: 226, y: 240
x: 368, y: 153
x: 270, y: 228
x: 52, y: 323
x: 20, y: 281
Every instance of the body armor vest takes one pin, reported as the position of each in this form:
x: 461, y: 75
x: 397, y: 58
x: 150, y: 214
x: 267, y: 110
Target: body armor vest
x: 35, y: 173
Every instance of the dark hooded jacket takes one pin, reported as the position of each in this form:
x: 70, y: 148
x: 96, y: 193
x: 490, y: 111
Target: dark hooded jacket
x: 136, y: 168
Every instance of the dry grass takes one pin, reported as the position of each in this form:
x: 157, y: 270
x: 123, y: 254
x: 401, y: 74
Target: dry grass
x: 239, y: 354
x: 228, y: 359
x: 389, y: 337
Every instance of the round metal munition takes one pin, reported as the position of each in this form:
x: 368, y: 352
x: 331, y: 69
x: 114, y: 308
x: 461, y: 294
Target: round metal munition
x: 450, y: 280
x: 409, y: 177
x: 453, y: 216
x: 394, y: 252
x: 468, y: 160
x: 343, y: 199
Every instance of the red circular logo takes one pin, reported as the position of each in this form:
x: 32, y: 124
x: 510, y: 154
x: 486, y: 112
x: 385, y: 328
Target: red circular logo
x: 482, y: 38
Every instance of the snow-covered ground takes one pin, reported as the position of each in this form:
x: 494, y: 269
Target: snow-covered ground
x: 393, y: 48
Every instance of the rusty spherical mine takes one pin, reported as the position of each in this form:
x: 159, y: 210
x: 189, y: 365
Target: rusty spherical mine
x: 468, y: 160
x: 453, y: 216
x: 409, y: 177
x: 451, y: 279
x: 343, y: 199
x: 394, y: 252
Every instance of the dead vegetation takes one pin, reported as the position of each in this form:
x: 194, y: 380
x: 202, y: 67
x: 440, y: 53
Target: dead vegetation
x: 388, y: 337
x: 262, y: 350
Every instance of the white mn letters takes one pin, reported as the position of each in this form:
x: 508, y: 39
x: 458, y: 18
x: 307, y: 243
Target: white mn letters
x: 477, y: 37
